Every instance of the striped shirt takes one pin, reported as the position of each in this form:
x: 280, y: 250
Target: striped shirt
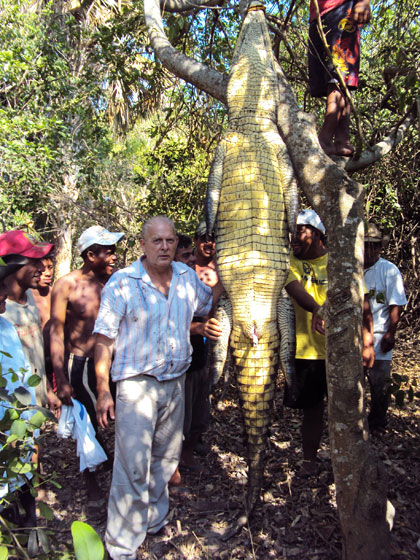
x: 151, y: 332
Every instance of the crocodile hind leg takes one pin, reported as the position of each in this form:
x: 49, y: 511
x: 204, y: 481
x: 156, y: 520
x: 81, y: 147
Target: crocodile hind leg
x: 287, y: 328
x: 256, y: 373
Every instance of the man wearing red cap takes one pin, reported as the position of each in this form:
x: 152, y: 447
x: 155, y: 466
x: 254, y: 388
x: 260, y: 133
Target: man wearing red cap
x: 26, y: 253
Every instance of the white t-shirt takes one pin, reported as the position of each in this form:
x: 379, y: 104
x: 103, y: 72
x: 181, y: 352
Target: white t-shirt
x: 385, y: 287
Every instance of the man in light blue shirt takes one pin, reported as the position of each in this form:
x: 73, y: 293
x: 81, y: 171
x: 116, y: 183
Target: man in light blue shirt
x: 144, y: 320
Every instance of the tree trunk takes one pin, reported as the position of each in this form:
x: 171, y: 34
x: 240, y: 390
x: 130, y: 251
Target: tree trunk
x: 63, y: 245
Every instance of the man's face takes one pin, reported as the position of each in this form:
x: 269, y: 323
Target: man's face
x: 104, y: 262
x: 206, y: 249
x: 186, y: 255
x: 303, y: 240
x: 47, y: 275
x: 3, y: 295
x: 160, y: 244
x: 372, y: 251
x: 29, y: 275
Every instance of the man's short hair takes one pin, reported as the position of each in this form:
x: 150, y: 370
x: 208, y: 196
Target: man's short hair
x: 150, y: 222
x: 184, y: 241
x: 95, y: 249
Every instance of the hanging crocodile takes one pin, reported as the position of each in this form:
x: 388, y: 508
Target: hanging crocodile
x: 251, y: 206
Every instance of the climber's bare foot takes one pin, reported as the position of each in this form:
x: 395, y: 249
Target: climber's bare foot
x: 327, y: 145
x: 344, y: 148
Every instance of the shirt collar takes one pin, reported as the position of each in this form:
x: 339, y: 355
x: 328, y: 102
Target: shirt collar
x: 137, y: 270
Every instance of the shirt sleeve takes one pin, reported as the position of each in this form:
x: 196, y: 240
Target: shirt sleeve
x: 294, y: 272
x: 204, y: 297
x: 395, y: 294
x: 112, y: 309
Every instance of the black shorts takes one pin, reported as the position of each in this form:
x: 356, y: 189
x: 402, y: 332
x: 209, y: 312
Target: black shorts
x: 81, y: 373
x: 311, y: 381
x: 343, y: 38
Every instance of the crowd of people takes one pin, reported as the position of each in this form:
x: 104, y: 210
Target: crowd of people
x: 131, y: 346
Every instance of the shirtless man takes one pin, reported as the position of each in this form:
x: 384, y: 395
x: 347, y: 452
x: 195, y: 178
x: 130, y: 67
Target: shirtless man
x: 205, y: 252
x: 42, y: 297
x: 75, y: 302
x: 42, y: 293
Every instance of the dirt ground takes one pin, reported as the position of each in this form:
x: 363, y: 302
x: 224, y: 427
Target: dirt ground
x: 297, y: 518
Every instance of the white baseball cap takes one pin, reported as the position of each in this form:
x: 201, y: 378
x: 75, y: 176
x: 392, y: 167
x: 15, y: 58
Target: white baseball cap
x: 98, y: 235
x: 309, y: 217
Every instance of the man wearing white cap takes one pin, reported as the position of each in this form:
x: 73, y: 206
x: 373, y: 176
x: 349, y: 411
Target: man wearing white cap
x: 307, y: 284
x: 75, y: 302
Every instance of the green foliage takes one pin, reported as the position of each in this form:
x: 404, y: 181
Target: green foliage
x: 87, y: 544
x: 16, y: 469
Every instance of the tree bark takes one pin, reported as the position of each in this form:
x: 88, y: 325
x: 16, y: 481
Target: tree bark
x: 359, y: 476
x: 204, y: 78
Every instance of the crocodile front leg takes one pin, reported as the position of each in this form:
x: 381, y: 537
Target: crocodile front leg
x: 214, y: 187
x: 219, y: 348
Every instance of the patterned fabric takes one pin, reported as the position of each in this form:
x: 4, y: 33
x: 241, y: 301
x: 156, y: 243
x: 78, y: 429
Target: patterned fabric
x: 312, y: 274
x: 151, y: 332
x: 343, y: 37
x: 324, y: 6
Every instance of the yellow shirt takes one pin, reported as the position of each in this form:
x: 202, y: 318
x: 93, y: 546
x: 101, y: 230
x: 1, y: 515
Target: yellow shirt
x: 312, y: 274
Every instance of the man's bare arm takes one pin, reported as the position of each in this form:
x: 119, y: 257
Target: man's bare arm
x: 59, y: 301
x: 388, y: 340
x: 307, y: 302
x: 368, y: 354
x: 103, y: 357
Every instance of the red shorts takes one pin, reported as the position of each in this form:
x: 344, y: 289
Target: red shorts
x: 343, y: 38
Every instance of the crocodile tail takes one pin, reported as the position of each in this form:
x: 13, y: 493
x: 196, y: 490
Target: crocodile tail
x: 256, y: 373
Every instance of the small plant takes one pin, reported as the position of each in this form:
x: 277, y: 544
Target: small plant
x: 20, y: 422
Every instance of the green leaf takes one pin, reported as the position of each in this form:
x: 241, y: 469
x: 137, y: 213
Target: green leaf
x: 380, y: 298
x: 45, y: 511
x: 18, y: 428
x: 87, y: 543
x: 4, y: 554
x: 34, y: 380
x: 37, y: 419
x: 23, y: 396
x: 44, y: 540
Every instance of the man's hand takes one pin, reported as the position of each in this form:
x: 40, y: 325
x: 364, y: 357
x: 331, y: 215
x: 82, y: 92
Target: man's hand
x: 65, y: 392
x: 318, y: 324
x: 104, y: 407
x: 361, y: 12
x: 54, y: 403
x: 387, y: 342
x: 211, y: 329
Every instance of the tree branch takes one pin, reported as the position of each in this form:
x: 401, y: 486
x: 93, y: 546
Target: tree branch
x: 204, y: 78
x: 379, y: 150
x: 187, y: 5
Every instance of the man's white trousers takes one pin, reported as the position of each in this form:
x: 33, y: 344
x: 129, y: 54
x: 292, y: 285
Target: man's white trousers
x: 148, y: 440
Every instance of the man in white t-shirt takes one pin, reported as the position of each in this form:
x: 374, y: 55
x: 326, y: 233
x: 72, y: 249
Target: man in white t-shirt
x: 386, y: 297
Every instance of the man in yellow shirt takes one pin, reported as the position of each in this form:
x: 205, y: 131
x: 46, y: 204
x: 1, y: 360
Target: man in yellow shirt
x: 307, y: 284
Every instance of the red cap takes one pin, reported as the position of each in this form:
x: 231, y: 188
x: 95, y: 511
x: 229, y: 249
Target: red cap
x: 19, y: 242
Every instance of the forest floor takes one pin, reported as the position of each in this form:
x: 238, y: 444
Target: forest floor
x: 297, y: 518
